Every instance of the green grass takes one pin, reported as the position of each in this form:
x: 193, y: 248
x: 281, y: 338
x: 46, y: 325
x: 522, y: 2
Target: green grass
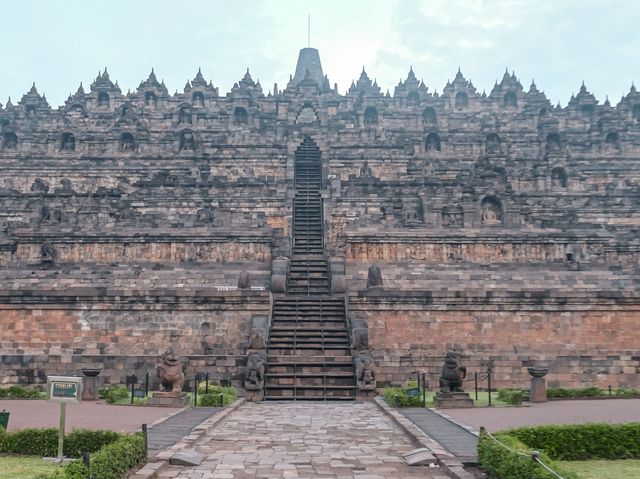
x: 621, y: 469
x: 483, y: 399
x: 24, y: 467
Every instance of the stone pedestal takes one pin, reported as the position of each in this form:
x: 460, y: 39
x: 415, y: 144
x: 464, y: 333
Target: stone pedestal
x: 90, y: 385
x: 538, y: 391
x: 452, y: 400
x: 168, y: 399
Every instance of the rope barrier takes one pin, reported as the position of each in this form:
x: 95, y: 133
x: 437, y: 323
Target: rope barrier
x: 534, y: 455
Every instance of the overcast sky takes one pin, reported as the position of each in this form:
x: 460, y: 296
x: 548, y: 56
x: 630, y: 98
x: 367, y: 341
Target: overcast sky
x: 560, y: 43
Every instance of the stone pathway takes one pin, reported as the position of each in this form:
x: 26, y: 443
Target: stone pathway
x: 304, y: 440
x: 170, y: 431
x: 454, y: 438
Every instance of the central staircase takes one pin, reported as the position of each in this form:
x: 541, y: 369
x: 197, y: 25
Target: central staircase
x: 309, y: 354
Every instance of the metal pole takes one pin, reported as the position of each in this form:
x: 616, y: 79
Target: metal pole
x: 206, y: 385
x: 86, y: 459
x: 195, y: 392
x: 63, y: 416
x: 133, y: 387
x: 475, y: 379
x: 424, y: 391
x: 609, y: 389
x: 146, y: 384
x: 489, y: 381
x: 146, y: 441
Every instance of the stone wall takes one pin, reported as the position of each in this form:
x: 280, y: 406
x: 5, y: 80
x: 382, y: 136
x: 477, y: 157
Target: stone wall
x: 125, y: 216
x: 63, y: 332
x: 585, y: 339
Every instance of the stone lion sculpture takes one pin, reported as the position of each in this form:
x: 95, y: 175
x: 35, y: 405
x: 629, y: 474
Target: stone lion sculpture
x: 254, y: 372
x: 453, y: 373
x: 170, y: 372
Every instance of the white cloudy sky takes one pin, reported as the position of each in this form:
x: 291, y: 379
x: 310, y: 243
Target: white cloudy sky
x: 57, y: 44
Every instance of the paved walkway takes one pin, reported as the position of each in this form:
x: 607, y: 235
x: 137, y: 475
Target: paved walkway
x: 552, y: 412
x: 86, y: 415
x: 455, y: 439
x: 170, y: 431
x: 304, y: 440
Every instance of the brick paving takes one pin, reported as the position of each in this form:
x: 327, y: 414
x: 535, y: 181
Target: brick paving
x: 86, y: 415
x: 552, y: 412
x: 304, y: 440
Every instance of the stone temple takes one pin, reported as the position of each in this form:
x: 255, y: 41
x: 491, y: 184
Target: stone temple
x: 308, y: 244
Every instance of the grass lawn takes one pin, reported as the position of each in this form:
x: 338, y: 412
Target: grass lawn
x: 483, y: 399
x: 622, y: 469
x: 23, y: 467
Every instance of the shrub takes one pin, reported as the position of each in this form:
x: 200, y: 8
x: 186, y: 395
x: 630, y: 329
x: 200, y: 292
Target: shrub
x: 583, y: 441
x: 114, y: 394
x: 212, y: 398
x: 33, y: 442
x: 44, y: 442
x: 554, y: 393
x: 398, y: 397
x: 84, y: 440
x: 627, y: 392
x: 112, y: 461
x: 502, y: 463
x: 21, y: 392
x: 513, y: 396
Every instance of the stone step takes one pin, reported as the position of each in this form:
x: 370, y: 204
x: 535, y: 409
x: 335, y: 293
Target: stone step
x: 304, y: 381
x: 308, y: 334
x: 308, y: 342
x: 300, y: 351
x: 320, y: 369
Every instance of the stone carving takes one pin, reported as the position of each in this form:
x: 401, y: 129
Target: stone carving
x: 374, y: 277
x: 68, y: 142
x: 47, y: 253
x: 491, y: 211
x: 453, y: 373
x: 365, y: 372
x: 259, y: 332
x: 187, y: 141
x: 359, y: 334
x: 365, y: 170
x: 169, y: 370
x: 10, y: 141
x: 254, y: 372
x: 452, y: 216
x: 412, y: 212
x: 184, y: 115
x: 40, y: 186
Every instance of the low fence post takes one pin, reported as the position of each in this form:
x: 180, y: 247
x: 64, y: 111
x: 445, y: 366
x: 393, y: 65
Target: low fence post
x: 145, y: 434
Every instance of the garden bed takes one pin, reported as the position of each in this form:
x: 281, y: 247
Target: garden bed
x: 568, y: 450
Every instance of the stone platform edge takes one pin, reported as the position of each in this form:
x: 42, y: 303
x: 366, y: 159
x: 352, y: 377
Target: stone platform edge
x: 160, y: 461
x: 449, y: 464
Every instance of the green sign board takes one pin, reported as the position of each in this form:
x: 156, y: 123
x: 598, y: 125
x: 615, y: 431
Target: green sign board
x: 64, y: 388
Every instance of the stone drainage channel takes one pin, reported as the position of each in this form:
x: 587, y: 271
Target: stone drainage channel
x: 283, y: 439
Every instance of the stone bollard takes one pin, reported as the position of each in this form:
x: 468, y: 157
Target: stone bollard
x: 374, y: 277
x: 337, y: 275
x: 538, y: 392
x: 279, y: 273
x: 244, y: 281
x: 91, y: 384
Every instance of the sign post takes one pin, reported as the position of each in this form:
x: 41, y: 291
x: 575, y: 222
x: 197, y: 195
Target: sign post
x: 63, y: 389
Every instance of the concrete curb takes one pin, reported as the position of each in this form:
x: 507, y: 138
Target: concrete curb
x: 160, y: 461
x: 448, y: 463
